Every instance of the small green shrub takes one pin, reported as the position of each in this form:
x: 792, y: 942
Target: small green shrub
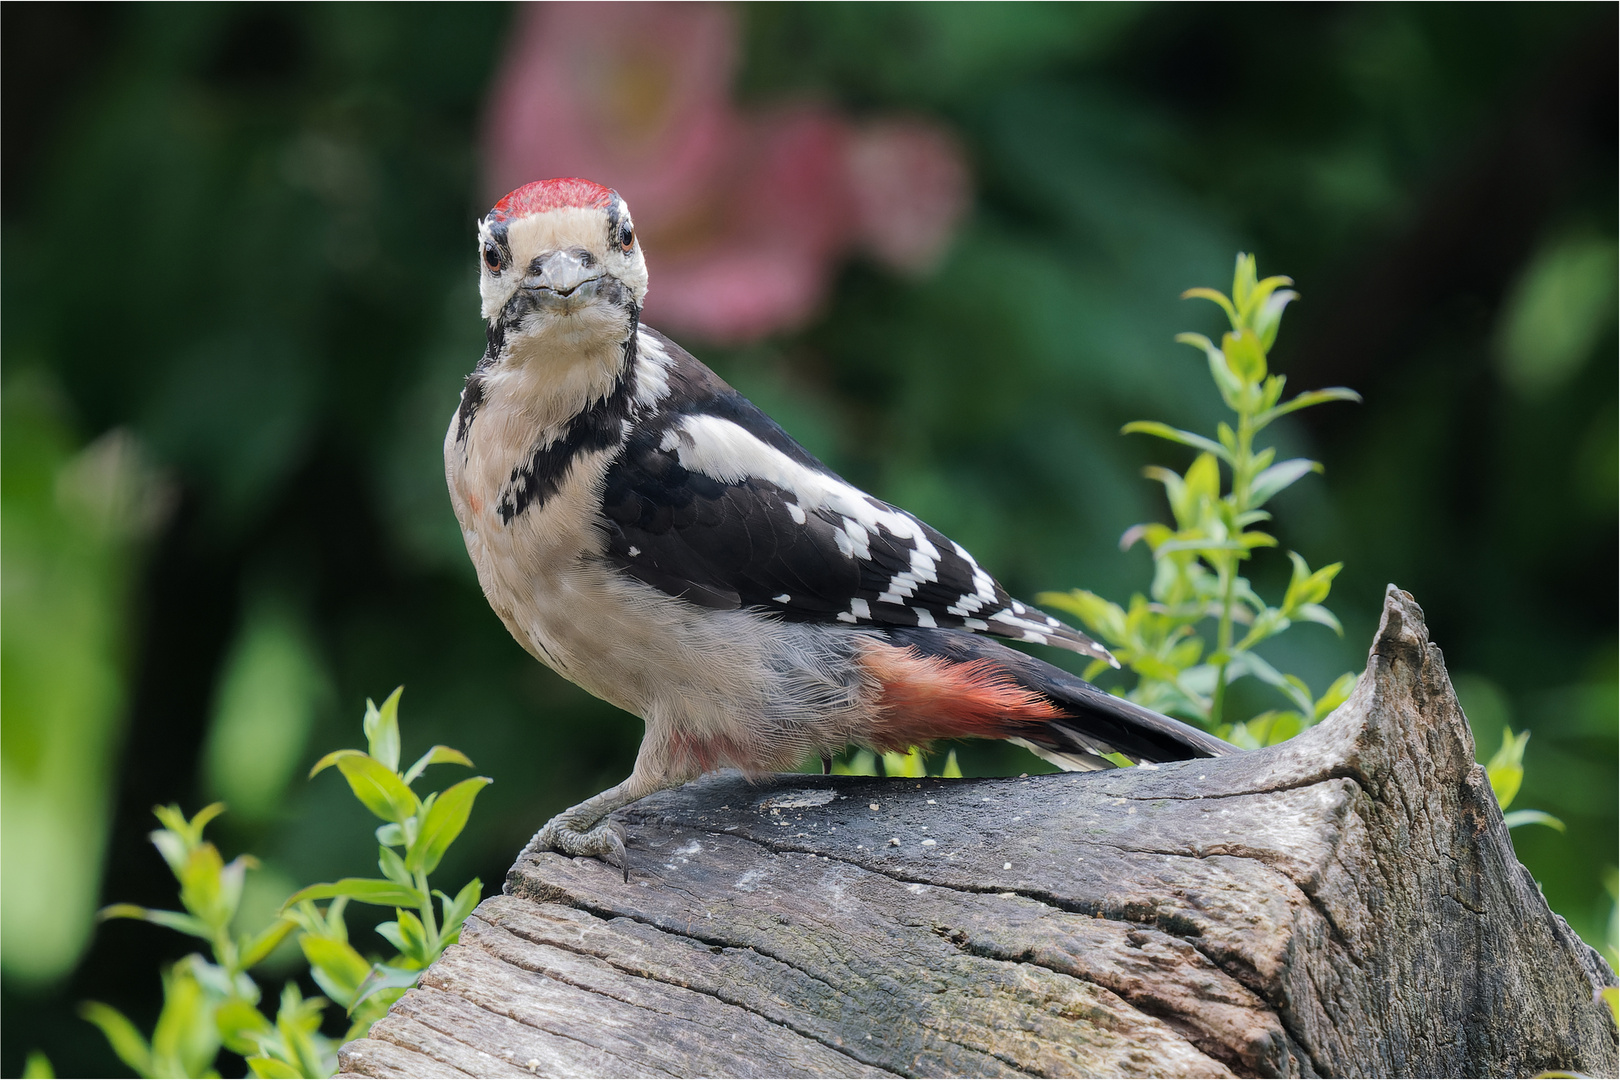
x: 212, y: 1001
x: 1217, y: 515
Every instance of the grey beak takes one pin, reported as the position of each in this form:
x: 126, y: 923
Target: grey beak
x: 562, y: 272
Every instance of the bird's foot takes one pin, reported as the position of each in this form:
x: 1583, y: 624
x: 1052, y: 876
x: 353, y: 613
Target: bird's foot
x: 563, y: 834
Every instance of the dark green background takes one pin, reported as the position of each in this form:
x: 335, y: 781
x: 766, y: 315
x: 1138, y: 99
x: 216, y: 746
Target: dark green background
x: 289, y: 347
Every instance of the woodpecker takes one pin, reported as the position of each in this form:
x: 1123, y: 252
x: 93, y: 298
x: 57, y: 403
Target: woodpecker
x: 648, y: 533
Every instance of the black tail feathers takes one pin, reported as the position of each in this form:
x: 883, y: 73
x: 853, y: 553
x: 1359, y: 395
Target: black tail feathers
x: 1098, y: 722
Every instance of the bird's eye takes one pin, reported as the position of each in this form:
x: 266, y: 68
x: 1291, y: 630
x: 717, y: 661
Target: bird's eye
x: 627, y: 237
x: 492, y: 257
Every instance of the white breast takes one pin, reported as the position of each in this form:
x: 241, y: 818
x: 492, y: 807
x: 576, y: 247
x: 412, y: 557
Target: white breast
x: 738, y: 677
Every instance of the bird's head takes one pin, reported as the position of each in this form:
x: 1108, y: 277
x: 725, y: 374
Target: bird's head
x: 559, y: 266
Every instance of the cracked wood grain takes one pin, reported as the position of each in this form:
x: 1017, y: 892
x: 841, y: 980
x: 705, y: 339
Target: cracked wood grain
x: 1347, y: 903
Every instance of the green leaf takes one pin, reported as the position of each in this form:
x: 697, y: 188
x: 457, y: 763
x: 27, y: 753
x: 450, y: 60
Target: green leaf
x: 1202, y: 544
x: 174, y: 920
x: 173, y: 847
x: 185, y: 1039
x: 908, y: 764
x: 1506, y: 767
x: 337, y: 967
x: 413, y: 940
x: 1316, y: 613
x: 1202, y: 293
x: 1305, y: 401
x: 379, y: 789
x: 439, y: 755
x: 1152, y: 532
x: 1176, y: 435
x: 1203, y: 478
x: 456, y: 912
x: 1515, y: 818
x: 38, y: 1067
x: 391, y: 835
x: 1291, y: 686
x: 1102, y: 617
x: 262, y: 944
x: 209, y: 889
x: 383, y: 977
x: 241, y: 1026
x: 1278, y: 477
x: 127, y: 1041
x: 1268, y: 319
x: 231, y: 879
x: 365, y: 890
x: 1243, y: 279
x: 1230, y: 386
x: 1306, y: 588
x: 190, y: 830
x: 1335, y: 696
x: 393, y: 867
x: 382, y: 730
x: 391, y: 933
x: 1273, y: 727
x: 1271, y: 390
x: 271, y: 1068
x: 1244, y: 355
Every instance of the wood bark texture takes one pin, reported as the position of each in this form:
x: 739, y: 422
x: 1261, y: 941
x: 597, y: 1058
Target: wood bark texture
x: 1345, y: 904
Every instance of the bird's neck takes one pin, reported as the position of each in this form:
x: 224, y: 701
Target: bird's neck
x: 544, y: 380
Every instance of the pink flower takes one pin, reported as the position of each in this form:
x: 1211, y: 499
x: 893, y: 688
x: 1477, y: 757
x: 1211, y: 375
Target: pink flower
x: 631, y: 95
x: 911, y: 186
x: 744, y: 216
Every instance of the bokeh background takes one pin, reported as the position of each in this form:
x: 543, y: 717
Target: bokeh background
x: 943, y: 244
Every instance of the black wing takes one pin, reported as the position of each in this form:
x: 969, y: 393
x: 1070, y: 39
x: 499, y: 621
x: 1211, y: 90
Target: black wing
x: 712, y: 501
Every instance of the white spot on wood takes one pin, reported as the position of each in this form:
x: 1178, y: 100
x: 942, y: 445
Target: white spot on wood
x: 797, y: 800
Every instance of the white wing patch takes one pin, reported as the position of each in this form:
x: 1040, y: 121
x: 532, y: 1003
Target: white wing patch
x: 729, y: 453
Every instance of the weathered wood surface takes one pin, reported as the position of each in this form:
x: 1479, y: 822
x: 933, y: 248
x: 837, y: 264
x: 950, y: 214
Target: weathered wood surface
x: 1345, y: 904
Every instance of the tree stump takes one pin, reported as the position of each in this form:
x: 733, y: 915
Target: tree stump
x: 1347, y: 903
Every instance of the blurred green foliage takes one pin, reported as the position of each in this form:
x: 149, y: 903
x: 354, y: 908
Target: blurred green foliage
x: 72, y: 519
x: 237, y: 244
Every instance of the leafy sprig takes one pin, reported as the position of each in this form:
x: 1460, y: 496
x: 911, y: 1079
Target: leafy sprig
x: 214, y: 1003
x: 1216, y: 525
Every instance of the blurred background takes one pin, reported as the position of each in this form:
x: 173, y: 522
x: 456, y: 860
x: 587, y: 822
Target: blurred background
x: 942, y: 244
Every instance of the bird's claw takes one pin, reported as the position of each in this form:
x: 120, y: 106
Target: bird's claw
x: 605, y: 842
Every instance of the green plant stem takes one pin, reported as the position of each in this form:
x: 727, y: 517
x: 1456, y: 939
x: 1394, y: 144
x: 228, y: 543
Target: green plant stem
x: 1223, y: 637
x: 1242, y: 467
x: 429, y: 923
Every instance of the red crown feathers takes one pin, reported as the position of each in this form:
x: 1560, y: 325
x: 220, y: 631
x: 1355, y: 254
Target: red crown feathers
x: 543, y: 195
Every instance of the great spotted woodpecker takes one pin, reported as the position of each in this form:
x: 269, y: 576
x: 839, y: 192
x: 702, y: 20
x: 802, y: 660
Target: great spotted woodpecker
x: 647, y: 532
